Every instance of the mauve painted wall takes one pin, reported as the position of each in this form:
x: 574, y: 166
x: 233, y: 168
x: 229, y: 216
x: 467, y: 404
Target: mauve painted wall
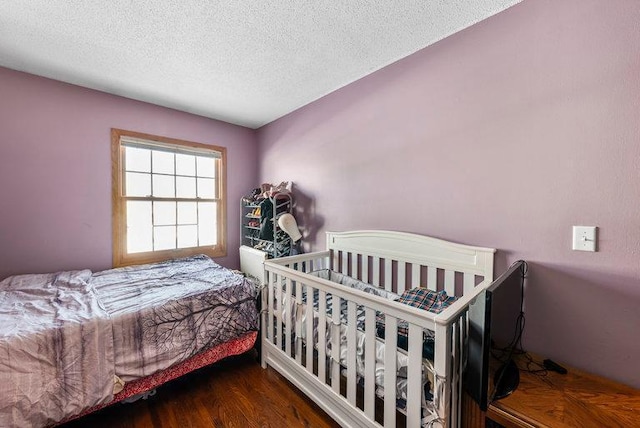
x: 504, y: 135
x: 55, y: 170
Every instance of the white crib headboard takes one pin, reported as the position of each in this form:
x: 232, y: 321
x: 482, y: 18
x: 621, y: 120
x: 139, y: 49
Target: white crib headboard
x: 377, y: 256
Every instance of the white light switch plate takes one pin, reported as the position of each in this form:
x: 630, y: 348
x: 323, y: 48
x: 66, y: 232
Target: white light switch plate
x: 584, y: 238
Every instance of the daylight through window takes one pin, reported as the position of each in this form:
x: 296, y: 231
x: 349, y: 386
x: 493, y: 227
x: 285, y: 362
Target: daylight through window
x: 169, y: 199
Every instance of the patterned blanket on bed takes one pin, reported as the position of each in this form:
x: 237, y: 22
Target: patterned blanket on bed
x: 166, y: 312
x: 64, y: 336
x: 56, y: 349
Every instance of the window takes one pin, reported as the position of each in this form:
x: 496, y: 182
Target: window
x: 168, y: 198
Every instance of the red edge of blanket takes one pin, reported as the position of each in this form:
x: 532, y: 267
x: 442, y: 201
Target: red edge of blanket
x: 234, y: 347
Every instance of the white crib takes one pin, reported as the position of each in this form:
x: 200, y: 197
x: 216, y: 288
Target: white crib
x: 309, y: 353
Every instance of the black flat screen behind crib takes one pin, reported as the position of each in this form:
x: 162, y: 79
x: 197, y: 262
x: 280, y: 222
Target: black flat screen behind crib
x: 495, y: 324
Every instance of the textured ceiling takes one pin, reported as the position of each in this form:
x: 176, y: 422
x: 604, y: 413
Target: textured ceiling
x: 244, y: 62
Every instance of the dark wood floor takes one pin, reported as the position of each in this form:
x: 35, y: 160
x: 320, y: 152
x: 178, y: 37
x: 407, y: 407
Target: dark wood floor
x: 235, y: 392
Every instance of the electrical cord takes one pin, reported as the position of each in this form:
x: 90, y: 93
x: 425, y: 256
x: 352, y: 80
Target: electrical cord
x: 539, y: 369
x: 515, y: 346
x: 516, y: 342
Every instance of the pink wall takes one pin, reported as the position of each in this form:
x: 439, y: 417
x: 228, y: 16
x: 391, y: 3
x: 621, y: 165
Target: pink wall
x: 504, y: 135
x: 55, y: 170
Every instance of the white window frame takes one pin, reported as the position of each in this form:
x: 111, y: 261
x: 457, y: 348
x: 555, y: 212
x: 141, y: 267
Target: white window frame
x: 120, y: 139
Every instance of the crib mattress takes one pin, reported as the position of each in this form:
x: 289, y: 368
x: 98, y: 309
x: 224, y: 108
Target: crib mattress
x: 402, y: 361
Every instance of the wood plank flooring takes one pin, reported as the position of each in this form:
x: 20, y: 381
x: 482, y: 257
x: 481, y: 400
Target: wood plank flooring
x: 235, y: 392
x: 574, y: 399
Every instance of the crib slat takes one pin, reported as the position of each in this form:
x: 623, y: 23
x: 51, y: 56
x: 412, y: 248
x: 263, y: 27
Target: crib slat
x: 402, y: 277
x: 388, y: 274
x: 335, y: 260
x: 415, y: 275
x: 365, y: 268
x: 464, y: 328
x: 322, y: 326
x: 278, y: 285
x: 288, y: 307
x: 375, y: 265
x: 298, y: 318
x: 442, y: 369
x: 469, y: 282
x: 455, y: 375
x: 370, y: 363
x: 390, y: 368
x: 309, y: 327
x: 432, y: 278
x: 450, y: 282
x: 270, y: 308
x: 335, y: 343
x: 351, y: 352
x: 414, y: 376
x: 462, y: 337
x: 344, y: 268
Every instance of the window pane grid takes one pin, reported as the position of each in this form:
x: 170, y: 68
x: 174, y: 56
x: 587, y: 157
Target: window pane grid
x: 169, y: 200
x: 152, y: 198
x: 170, y: 175
x: 152, y: 183
x: 163, y: 229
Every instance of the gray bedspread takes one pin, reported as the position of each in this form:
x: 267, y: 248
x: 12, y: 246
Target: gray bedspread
x: 64, y: 336
x: 166, y: 312
x: 56, y: 349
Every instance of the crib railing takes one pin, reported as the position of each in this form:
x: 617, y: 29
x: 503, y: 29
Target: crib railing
x: 288, y: 287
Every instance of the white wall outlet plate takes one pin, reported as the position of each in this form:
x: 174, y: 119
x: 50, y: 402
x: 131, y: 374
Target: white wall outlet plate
x: 584, y: 238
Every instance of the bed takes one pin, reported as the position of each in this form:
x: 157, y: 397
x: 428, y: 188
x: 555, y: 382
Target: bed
x: 73, y: 342
x: 412, y: 375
